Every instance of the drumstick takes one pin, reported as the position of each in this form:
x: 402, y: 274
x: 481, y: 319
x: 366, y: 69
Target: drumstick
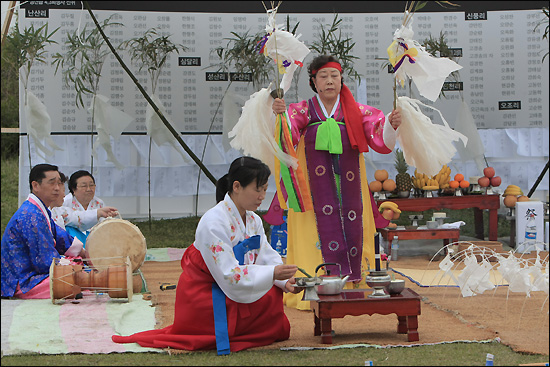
x: 167, y: 286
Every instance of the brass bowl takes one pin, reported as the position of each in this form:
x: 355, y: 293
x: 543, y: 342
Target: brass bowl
x: 396, y: 286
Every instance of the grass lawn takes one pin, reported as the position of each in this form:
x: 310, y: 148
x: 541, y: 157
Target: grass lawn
x: 180, y: 233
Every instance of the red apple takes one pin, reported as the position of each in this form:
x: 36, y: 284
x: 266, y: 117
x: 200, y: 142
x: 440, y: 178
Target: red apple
x: 489, y: 172
x: 495, y: 181
x: 484, y: 181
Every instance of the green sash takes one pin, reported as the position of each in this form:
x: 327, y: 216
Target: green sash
x: 329, y: 136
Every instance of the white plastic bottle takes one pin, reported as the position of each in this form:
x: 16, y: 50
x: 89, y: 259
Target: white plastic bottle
x: 394, y: 248
x: 531, y: 227
x: 279, y: 247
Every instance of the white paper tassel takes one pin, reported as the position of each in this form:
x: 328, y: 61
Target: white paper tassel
x: 39, y: 124
x: 425, y: 145
x: 465, y: 124
x: 427, y: 72
x: 254, y: 132
x: 158, y: 131
x: 282, y: 45
x: 109, y: 121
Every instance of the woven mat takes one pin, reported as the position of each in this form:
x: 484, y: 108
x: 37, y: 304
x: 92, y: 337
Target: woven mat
x: 84, y: 326
x: 520, y: 322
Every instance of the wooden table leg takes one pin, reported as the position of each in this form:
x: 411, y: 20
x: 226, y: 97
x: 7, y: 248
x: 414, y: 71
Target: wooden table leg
x: 493, y: 225
x: 513, y: 233
x: 402, y: 325
x: 478, y: 221
x: 317, y: 328
x: 326, y: 331
x: 412, y: 325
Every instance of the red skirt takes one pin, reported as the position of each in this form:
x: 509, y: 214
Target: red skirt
x: 249, y: 324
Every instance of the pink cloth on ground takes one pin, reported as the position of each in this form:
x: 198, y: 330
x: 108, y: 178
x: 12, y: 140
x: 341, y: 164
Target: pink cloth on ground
x: 40, y: 291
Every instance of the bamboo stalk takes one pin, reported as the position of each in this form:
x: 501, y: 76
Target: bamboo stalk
x: 7, y: 21
x: 153, y: 105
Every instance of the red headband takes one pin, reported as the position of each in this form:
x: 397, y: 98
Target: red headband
x: 330, y: 64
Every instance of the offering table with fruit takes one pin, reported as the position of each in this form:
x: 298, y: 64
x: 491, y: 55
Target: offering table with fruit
x: 477, y: 202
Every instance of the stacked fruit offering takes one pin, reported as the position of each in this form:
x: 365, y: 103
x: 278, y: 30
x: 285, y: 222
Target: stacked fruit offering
x: 512, y: 195
x: 382, y: 182
x: 459, y: 181
x: 436, y: 182
x: 489, y: 178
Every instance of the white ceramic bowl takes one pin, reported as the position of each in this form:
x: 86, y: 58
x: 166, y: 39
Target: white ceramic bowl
x: 431, y: 224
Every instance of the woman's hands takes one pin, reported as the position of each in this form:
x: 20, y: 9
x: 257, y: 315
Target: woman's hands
x: 107, y: 211
x: 283, y: 272
x: 290, y: 288
x: 395, y: 119
x: 278, y: 106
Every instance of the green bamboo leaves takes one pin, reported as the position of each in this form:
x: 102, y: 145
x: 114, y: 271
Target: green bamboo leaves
x: 241, y: 53
x: 151, y: 51
x: 31, y: 46
x: 82, y: 63
x: 331, y: 42
x: 546, y: 29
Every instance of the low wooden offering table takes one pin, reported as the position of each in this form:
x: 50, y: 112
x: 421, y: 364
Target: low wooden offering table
x: 447, y: 235
x: 355, y: 302
x: 477, y: 202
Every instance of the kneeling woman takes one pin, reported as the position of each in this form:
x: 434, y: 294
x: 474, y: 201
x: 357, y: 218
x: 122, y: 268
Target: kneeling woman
x: 229, y: 295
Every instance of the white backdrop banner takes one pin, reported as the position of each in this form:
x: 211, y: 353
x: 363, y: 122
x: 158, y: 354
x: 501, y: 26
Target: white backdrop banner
x: 502, y: 80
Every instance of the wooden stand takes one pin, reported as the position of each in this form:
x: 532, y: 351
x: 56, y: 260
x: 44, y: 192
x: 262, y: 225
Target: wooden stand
x: 477, y: 202
x: 447, y: 235
x: 356, y: 302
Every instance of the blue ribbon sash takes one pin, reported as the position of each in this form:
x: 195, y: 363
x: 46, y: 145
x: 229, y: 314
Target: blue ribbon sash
x: 218, y: 297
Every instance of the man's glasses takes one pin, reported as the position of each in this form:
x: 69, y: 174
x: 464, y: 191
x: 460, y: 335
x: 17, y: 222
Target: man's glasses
x: 54, y: 182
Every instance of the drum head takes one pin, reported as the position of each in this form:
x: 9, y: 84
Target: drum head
x: 113, y: 238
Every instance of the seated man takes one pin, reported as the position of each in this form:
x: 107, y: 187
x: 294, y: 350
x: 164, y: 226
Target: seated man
x: 32, y: 239
x: 59, y: 213
x: 81, y: 208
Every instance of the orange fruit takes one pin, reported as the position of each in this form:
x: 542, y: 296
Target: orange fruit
x: 523, y: 198
x: 381, y: 175
x: 375, y: 186
x: 510, y: 201
x: 464, y: 184
x: 453, y: 184
x: 388, y: 185
x: 459, y: 177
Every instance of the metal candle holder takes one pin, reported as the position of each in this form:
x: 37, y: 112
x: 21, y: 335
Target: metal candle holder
x: 310, y: 294
x: 378, y: 280
x: 414, y: 219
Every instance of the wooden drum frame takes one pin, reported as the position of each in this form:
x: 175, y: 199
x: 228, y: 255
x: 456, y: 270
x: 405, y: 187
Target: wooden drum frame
x: 66, y: 281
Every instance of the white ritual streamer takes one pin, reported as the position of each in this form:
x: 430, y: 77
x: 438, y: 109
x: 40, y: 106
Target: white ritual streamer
x: 158, y: 131
x: 109, y: 121
x: 255, y: 130
x: 284, y: 46
x: 465, y: 124
x: 39, y: 124
x: 426, y: 146
x: 427, y: 72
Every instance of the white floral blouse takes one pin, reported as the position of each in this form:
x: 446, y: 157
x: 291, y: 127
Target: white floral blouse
x: 218, y: 231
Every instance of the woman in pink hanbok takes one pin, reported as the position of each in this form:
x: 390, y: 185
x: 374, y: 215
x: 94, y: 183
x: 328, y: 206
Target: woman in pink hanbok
x: 331, y: 130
